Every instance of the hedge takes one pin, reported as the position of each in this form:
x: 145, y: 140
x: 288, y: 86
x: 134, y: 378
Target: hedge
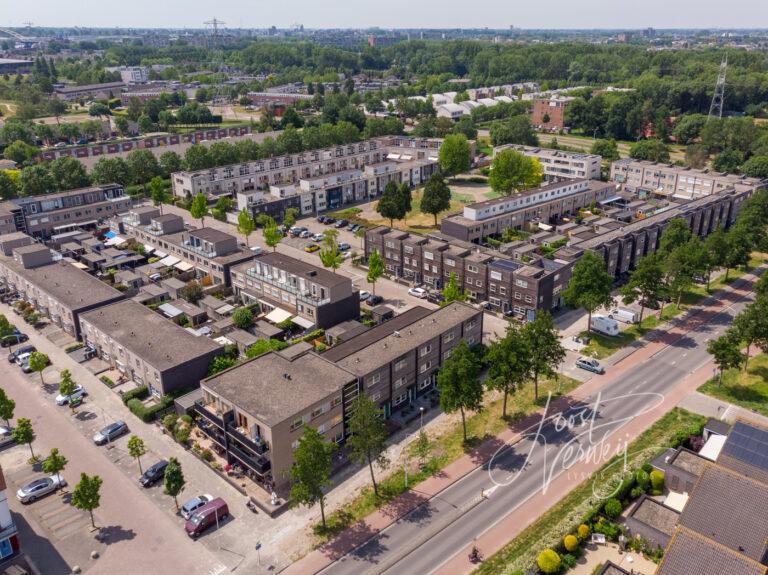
x: 147, y: 414
x: 73, y: 347
x: 140, y: 392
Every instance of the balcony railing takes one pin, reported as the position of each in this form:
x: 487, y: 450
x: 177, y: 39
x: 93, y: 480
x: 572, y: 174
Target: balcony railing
x: 304, y: 296
x: 215, y: 433
x: 258, y: 448
x: 199, y: 250
x: 260, y: 465
x: 203, y: 410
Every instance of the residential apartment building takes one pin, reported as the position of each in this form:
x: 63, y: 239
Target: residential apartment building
x: 257, y: 410
x: 318, y: 179
x: 50, y: 214
x: 57, y: 289
x: 313, y: 296
x: 549, y: 113
x: 679, y: 182
x: 545, y: 205
x: 148, y: 348
x: 9, y: 533
x: 559, y: 165
x: 210, y: 252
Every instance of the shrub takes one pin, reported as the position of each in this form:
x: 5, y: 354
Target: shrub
x: 607, y: 528
x: 107, y: 381
x: 583, y: 532
x: 657, y: 482
x: 568, y: 561
x: 320, y: 347
x: 186, y: 419
x: 141, y: 392
x: 137, y: 408
x: 169, y: 421
x: 571, y: 543
x: 182, y: 432
x: 207, y: 454
x: 612, y: 508
x: 73, y: 347
x: 647, y: 467
x: 643, y: 480
x: 548, y: 561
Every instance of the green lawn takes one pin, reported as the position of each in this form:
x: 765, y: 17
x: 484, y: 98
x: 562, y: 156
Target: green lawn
x: 547, y: 531
x: 749, y: 388
x: 443, y: 450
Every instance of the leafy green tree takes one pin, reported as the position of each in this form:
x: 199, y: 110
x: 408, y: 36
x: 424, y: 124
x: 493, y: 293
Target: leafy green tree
x: 272, y: 235
x: 159, y: 193
x: 726, y: 351
x: 20, y: 152
x: 192, y: 292
x: 696, y: 156
x: 545, y: 352
x: 197, y: 157
x: 98, y: 109
x: 728, y: 161
x: 512, y: 171
x: 678, y: 275
x: 330, y: 255
x: 375, y: 269
x: 756, y: 167
x: 311, y: 470
x: 137, y: 449
x: 38, y: 362
x: 652, y: 150
x: 607, y: 149
x: 9, y: 185
x: 122, y: 125
x: 515, y: 130
x: 751, y: 325
x: 169, y: 163
x: 143, y: 166
x: 436, y: 197
x: 590, y: 285
x: 455, y: 155
x: 55, y: 464
x: 67, y: 386
x: 646, y: 283
x: 459, y: 383
x: 368, y: 434
x: 509, y: 364
x: 716, y: 245
x: 7, y: 407
x: 35, y: 180
x: 389, y: 205
x: 199, y: 208
x: 86, y: 496
x: 245, y: 224
x: 24, y: 434
x: 452, y: 291
x: 220, y: 363
x: 688, y: 127
x: 111, y: 170
x: 243, y: 318
x: 677, y: 233
x: 739, y: 248
x: 173, y: 480
x: 404, y: 198
x: 289, y: 219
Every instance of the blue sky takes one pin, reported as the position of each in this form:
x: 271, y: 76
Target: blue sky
x: 391, y: 13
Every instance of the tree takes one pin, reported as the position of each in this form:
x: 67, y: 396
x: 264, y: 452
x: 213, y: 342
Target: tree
x: 24, y: 433
x: 739, y: 248
x: 751, y: 325
x: 173, y: 480
x: 142, y: 165
x: 330, y: 255
x: 509, y: 362
x: 159, y: 193
x: 98, y: 109
x: 67, y: 386
x: 696, y: 156
x: 678, y: 275
x: 607, y: 149
x: 548, y: 561
x: 86, y: 496
x: 135, y: 108
x: 20, y: 152
x: 199, y: 208
x: 9, y: 184
x: 515, y: 130
x: 389, y: 205
x: 55, y: 463
x: 646, y: 283
x: 452, y: 291
x: 38, y: 362
x: 375, y: 268
x: 35, y: 180
x: 677, y: 233
x: 716, y: 245
x: 7, y: 407
x: 436, y: 196
x: 272, y: 235
x: 122, y: 125
x: 289, y: 218
x: 652, y: 150
x: 311, y: 470
x: 245, y: 224
x: 590, y: 285
x: 688, y: 127
x: 192, y: 292
x: 545, y: 352
x: 367, y: 436
x: 111, y: 170
x: 512, y: 171
x: 756, y: 167
x: 404, y: 198
x: 68, y: 174
x: 169, y: 163
x: 455, y: 154
x: 197, y: 157
x: 726, y: 351
x: 459, y: 383
x: 136, y: 449
x: 243, y: 318
x: 728, y: 161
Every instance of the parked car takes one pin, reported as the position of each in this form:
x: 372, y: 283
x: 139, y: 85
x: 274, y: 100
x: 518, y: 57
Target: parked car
x: 341, y: 224
x: 364, y: 295
x: 153, y: 474
x: 206, y: 517
x: 5, y: 436
x: 189, y: 508
x: 22, y: 358
x: 321, y: 219
x: 39, y: 488
x: 343, y: 247
x: 309, y: 248
x: 21, y: 351
x: 13, y: 339
x: 296, y: 231
x: 256, y: 250
x: 374, y: 300
x: 110, y: 432
x: 418, y: 292
x: 329, y: 220
x: 353, y: 227
x: 435, y: 297
x: 318, y: 237
x: 78, y: 393
x: 26, y: 367
x: 155, y: 277
x: 590, y: 365
x: 305, y: 234
x: 623, y: 314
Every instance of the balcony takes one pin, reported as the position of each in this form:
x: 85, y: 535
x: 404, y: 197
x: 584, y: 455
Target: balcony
x: 209, y: 413
x: 303, y: 296
x: 199, y: 250
x: 259, y: 448
x: 260, y: 465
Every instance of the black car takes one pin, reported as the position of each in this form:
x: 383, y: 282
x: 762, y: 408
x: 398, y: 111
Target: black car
x: 24, y: 349
x: 13, y: 339
x: 374, y: 300
x: 341, y: 224
x: 153, y: 474
x: 329, y: 220
x: 435, y: 297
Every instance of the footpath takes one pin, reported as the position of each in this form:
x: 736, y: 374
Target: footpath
x: 497, y: 536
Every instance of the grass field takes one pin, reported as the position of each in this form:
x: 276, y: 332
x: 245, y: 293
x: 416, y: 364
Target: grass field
x: 415, y: 221
x: 749, y: 388
x: 584, y: 143
x: 8, y: 108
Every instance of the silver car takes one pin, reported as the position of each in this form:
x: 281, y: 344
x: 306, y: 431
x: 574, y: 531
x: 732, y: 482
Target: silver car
x: 189, y: 508
x: 40, y: 488
x: 110, y: 433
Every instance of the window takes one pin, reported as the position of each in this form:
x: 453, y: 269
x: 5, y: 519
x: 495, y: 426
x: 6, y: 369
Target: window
x: 496, y: 275
x: 450, y: 262
x: 521, y: 283
x: 428, y: 256
x: 425, y: 383
x: 425, y: 350
x: 449, y: 337
x: 399, y: 364
x: 373, y: 380
x: 376, y: 397
x: 472, y: 269
x: 317, y: 412
x: 297, y: 423
x: 399, y: 383
x: 335, y: 401
x: 399, y: 399
x: 528, y: 299
x: 425, y: 366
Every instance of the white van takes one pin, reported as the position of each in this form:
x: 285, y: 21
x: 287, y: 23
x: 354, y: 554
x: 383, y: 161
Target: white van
x: 604, y: 325
x: 623, y: 314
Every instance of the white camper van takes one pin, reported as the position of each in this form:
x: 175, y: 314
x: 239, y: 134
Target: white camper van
x: 604, y: 325
x: 624, y: 314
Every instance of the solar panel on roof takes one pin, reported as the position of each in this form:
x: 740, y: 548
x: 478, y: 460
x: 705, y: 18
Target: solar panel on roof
x: 749, y: 444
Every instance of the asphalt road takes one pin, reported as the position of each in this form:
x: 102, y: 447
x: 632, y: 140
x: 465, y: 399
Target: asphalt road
x: 430, y: 535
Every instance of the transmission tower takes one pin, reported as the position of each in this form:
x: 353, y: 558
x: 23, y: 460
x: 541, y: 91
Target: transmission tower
x: 214, y: 26
x: 716, y: 107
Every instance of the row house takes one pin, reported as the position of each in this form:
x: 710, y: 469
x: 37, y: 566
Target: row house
x: 559, y: 164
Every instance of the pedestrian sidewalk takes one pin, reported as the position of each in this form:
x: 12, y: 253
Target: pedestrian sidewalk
x: 499, y: 535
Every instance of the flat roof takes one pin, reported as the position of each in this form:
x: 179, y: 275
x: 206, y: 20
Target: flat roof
x: 297, y: 267
x: 157, y: 340
x: 689, y: 461
x: 210, y: 234
x: 274, y: 388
